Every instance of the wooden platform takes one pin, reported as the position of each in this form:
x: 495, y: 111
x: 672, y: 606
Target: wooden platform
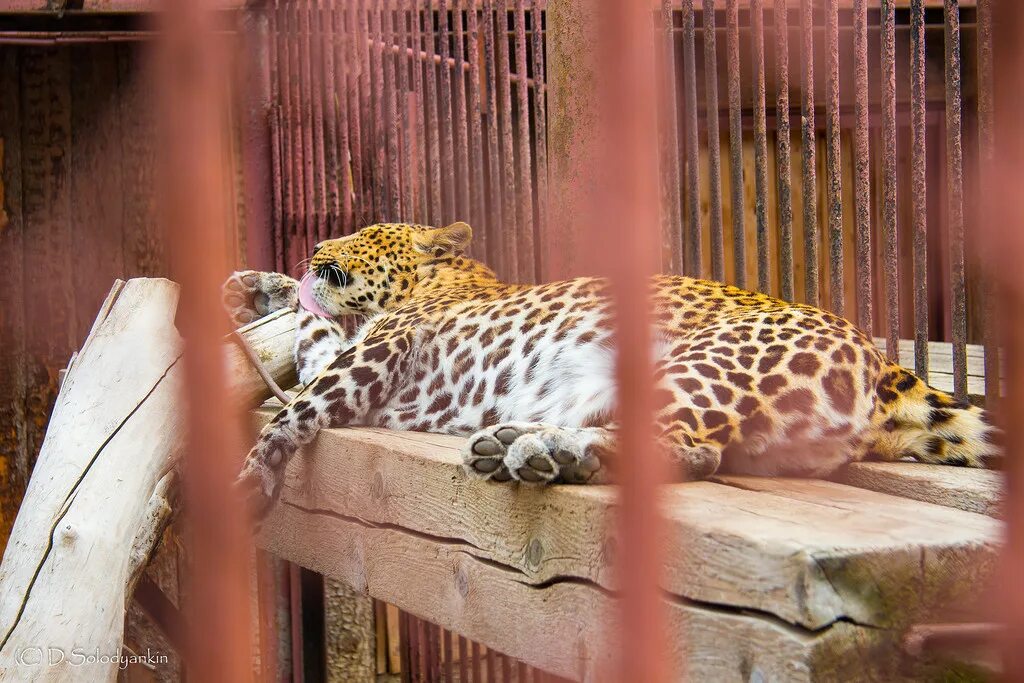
x: 767, y: 579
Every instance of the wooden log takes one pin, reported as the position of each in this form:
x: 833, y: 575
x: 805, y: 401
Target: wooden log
x: 795, y: 582
x: 101, y: 492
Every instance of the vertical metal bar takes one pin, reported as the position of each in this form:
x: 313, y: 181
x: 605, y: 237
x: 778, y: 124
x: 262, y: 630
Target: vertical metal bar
x: 521, y: 672
x: 506, y: 669
x: 760, y: 147
x: 508, y: 173
x: 693, y: 252
x: 918, y: 187
x: 739, y: 247
x: 379, y: 174
x: 540, y: 122
x: 862, y: 167
x: 414, y: 647
x: 524, y: 217
x: 714, y: 158
x: 293, y: 155
x: 328, y: 102
x: 833, y: 162
x: 447, y: 142
x: 424, y: 211
x: 279, y: 139
x: 491, y: 663
x: 463, y: 649
x: 476, y: 662
x: 360, y: 105
x: 433, y: 141
x: 954, y: 198
x: 447, y: 635
x: 497, y: 225
x: 672, y: 248
x: 782, y: 152
x: 476, y: 143
x: 193, y: 108
x: 890, y: 256
x: 404, y: 646
x: 986, y: 155
x: 809, y: 138
x: 462, y: 196
x: 392, y: 122
x: 311, y: 175
x: 402, y: 61
x: 315, y: 91
x: 343, y: 87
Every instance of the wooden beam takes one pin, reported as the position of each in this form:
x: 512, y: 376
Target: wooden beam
x: 791, y: 581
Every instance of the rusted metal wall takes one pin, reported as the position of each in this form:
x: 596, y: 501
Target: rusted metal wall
x: 79, y: 204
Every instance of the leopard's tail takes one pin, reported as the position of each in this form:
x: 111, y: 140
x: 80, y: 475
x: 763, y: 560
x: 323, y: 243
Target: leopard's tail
x: 914, y: 420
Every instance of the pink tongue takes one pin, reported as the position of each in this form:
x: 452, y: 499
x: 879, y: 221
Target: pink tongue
x: 306, y: 297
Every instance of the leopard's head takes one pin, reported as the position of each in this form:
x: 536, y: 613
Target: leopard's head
x: 376, y: 269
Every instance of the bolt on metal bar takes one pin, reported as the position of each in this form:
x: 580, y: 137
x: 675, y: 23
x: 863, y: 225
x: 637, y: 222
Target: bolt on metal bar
x: 760, y: 147
x: 692, y: 261
x: 527, y: 264
x: 714, y: 159
x: 986, y: 155
x: 782, y: 152
x: 432, y: 143
x: 862, y: 167
x: 954, y: 198
x: 918, y: 187
x: 890, y: 256
x: 833, y: 161
x: 540, y: 135
x: 508, y: 177
x: 809, y: 140
x: 462, y: 195
x: 670, y: 176
x: 476, y: 143
x: 447, y: 125
x: 732, y: 22
x: 496, y: 210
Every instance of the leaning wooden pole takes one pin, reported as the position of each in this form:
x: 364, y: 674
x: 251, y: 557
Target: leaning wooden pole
x: 103, y: 488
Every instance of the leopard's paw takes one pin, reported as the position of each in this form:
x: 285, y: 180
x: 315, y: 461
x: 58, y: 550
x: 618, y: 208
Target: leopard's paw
x: 249, y: 295
x: 534, y: 453
x: 262, y: 477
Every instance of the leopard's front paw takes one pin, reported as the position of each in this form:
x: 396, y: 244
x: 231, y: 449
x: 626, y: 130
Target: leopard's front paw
x: 249, y: 295
x: 261, y: 479
x: 533, y: 453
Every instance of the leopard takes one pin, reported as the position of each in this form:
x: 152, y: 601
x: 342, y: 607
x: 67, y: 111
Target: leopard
x: 744, y: 383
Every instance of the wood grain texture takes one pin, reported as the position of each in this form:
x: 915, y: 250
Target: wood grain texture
x: 980, y: 491
x: 782, y: 580
x: 350, y: 642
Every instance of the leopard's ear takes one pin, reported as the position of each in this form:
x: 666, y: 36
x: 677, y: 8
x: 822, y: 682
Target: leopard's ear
x: 448, y: 241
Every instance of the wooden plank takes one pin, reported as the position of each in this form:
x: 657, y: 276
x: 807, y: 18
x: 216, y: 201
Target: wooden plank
x: 14, y: 454
x: 97, y: 184
x: 979, y: 491
x: 799, y: 560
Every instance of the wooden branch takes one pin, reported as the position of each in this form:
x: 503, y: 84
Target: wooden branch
x: 794, y: 579
x: 103, y: 487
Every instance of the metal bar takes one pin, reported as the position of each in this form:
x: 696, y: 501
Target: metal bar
x: 954, y: 198
x: 986, y: 155
x: 476, y: 144
x: 379, y: 174
x: 448, y: 664
x: 508, y: 185
x: 358, y: 97
x: 540, y: 136
x: 258, y: 180
x: 714, y: 158
x: 436, y: 59
x: 497, y: 223
x: 366, y: 110
x: 424, y: 211
x: 462, y: 175
x: 291, y: 184
x: 692, y: 259
x: 491, y: 654
x: 402, y: 35
x: 810, y: 194
x: 521, y: 672
x: 335, y: 116
x: 414, y: 647
x: 315, y: 60
x: 447, y: 142
x: 890, y: 256
x: 672, y: 246
x: 782, y: 152
x: 739, y: 250
x: 506, y: 669
x: 833, y: 162
x: 862, y: 168
x: 310, y: 171
x: 760, y: 148
x: 432, y: 122
x: 463, y: 649
x: 404, y: 646
x: 918, y: 187
x: 278, y: 134
x: 476, y: 663
x: 524, y: 217
x: 393, y: 120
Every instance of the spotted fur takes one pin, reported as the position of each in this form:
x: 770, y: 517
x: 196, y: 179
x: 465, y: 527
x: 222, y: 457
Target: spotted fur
x: 744, y: 382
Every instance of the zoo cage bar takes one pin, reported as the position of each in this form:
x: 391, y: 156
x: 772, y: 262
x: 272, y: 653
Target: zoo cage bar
x: 459, y: 135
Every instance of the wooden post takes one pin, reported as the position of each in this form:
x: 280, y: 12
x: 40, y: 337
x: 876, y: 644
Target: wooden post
x: 103, y: 487
x: 351, y: 642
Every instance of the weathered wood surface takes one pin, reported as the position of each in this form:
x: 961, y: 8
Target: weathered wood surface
x: 980, y: 491
x: 273, y: 340
x: 792, y: 579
